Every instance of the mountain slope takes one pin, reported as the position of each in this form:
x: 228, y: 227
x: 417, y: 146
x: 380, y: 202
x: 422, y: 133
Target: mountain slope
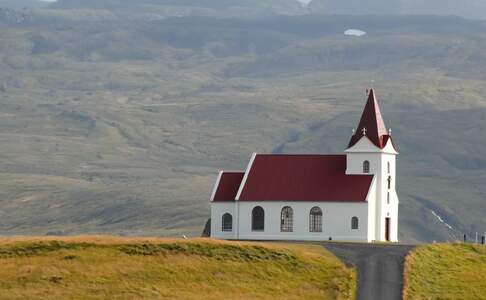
x: 165, y: 8
x: 120, y: 125
x: 475, y: 9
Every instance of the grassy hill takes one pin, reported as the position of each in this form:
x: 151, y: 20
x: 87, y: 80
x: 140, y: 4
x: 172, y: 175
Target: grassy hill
x: 446, y: 271
x: 104, y: 267
x: 119, y: 122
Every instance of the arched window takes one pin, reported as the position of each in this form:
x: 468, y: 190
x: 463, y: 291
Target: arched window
x: 258, y: 219
x: 315, y: 219
x: 227, y: 224
x: 389, y: 182
x: 354, y: 223
x: 287, y: 219
x: 388, y: 167
x: 366, y: 166
x: 388, y: 198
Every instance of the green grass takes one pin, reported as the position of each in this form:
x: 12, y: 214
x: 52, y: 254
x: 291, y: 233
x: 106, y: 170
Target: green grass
x: 446, y: 271
x: 115, y: 268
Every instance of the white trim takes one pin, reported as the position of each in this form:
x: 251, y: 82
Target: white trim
x: 306, y: 201
x: 243, y: 182
x: 237, y: 215
x: 215, y: 188
x: 367, y: 146
x: 390, y: 148
x: 371, y: 186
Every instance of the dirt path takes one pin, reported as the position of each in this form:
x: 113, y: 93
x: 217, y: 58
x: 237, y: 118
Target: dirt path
x: 380, y: 268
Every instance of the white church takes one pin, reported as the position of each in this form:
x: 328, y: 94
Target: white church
x: 349, y: 197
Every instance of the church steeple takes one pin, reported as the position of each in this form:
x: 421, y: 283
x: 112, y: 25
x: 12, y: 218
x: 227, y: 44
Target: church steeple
x: 371, y: 124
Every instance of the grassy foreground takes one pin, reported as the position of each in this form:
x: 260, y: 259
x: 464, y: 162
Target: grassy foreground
x: 119, y: 268
x: 446, y: 271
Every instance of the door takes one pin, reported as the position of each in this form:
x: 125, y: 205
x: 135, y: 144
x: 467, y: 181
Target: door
x: 387, y: 229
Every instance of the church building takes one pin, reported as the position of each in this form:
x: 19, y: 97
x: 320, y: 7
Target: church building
x: 348, y: 197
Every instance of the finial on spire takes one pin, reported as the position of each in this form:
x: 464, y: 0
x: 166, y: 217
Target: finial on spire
x: 354, y: 131
x: 389, y: 131
x: 364, y: 131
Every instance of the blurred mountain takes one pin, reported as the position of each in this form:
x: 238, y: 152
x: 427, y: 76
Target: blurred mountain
x: 475, y: 9
x: 22, y: 4
x: 115, y: 123
x: 165, y: 8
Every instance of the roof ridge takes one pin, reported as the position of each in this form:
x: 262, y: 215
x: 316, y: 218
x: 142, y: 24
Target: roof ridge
x: 299, y: 154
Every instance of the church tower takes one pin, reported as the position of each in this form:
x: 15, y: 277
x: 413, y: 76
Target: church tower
x: 371, y: 151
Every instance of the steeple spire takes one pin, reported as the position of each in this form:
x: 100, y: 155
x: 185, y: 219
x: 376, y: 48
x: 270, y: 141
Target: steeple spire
x: 371, y: 123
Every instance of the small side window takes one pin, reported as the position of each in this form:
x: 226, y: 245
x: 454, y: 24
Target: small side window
x: 227, y: 222
x: 354, y: 223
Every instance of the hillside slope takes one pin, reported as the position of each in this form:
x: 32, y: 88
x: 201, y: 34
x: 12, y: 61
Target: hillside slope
x: 120, y: 126
x: 475, y: 9
x: 446, y: 271
x: 166, y: 8
x: 104, y: 267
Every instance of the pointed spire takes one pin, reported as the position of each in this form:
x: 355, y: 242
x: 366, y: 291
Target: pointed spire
x: 372, y: 123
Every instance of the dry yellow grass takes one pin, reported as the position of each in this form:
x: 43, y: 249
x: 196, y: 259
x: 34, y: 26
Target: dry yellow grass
x: 103, y: 267
x: 446, y: 271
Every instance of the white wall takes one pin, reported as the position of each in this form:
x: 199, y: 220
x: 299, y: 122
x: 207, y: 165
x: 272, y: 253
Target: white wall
x: 218, y: 209
x: 336, y: 221
x: 372, y: 211
x: 378, y: 158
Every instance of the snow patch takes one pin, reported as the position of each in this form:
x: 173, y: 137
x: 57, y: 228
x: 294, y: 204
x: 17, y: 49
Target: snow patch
x: 304, y: 2
x: 354, y: 32
x: 441, y: 220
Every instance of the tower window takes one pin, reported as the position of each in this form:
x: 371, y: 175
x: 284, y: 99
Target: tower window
x: 389, y: 182
x: 388, y: 198
x: 366, y: 166
x: 388, y: 167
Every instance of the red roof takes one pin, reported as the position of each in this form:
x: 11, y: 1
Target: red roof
x: 372, y: 121
x: 303, y: 178
x: 228, y: 185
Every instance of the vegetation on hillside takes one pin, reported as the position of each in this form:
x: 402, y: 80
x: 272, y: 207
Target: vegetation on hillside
x: 446, y: 271
x: 116, y: 115
x: 115, y: 268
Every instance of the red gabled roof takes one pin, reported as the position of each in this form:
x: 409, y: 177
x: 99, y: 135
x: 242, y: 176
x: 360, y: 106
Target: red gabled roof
x: 303, y: 178
x: 228, y: 185
x: 372, y: 121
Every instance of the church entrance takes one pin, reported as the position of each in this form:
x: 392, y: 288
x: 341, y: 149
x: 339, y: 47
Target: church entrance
x: 387, y: 229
